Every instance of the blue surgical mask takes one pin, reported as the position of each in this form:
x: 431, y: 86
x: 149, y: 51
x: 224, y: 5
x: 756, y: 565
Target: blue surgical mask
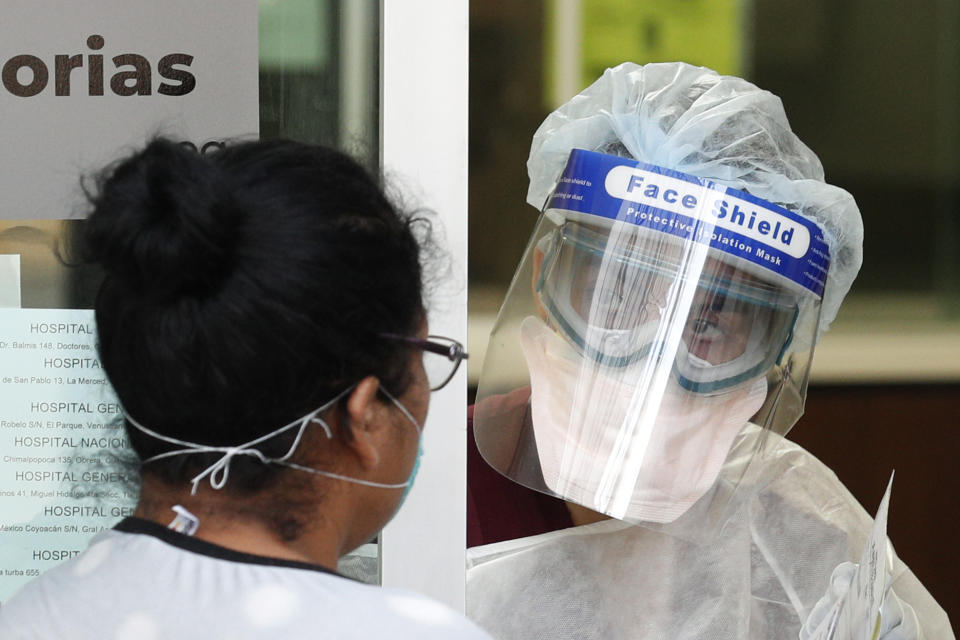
x: 416, y: 463
x: 413, y: 474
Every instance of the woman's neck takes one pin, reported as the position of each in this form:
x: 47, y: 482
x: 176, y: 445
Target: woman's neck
x: 234, y: 524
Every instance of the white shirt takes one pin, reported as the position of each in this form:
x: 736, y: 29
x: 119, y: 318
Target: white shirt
x: 142, y: 581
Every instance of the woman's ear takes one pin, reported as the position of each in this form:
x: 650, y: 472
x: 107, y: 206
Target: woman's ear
x: 363, y: 411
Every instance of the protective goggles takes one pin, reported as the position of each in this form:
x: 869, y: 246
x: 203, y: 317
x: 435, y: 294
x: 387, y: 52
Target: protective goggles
x: 615, y: 296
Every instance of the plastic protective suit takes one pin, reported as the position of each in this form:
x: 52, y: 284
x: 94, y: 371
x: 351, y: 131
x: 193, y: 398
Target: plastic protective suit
x: 760, y: 578
x: 651, y: 354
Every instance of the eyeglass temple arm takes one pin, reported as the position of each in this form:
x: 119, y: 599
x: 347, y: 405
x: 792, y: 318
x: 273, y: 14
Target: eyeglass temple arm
x: 453, y: 351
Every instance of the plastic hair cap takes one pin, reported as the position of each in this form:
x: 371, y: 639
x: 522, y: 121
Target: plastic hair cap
x: 721, y: 128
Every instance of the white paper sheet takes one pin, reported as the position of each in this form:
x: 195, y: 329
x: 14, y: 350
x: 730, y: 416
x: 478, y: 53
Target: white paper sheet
x: 10, y: 281
x: 856, y: 616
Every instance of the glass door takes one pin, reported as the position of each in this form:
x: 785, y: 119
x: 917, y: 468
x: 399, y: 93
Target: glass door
x: 84, y: 84
x: 385, y: 81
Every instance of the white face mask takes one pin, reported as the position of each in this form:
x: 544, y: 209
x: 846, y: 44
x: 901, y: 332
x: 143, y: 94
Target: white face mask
x: 583, y: 413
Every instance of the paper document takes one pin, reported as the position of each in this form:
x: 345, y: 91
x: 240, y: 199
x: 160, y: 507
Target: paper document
x: 10, y: 280
x: 856, y: 616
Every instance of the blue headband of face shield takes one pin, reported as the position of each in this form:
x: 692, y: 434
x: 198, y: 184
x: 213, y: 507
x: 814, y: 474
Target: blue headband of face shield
x: 612, y: 298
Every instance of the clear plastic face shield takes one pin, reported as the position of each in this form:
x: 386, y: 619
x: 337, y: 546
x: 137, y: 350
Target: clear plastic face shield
x: 653, y: 317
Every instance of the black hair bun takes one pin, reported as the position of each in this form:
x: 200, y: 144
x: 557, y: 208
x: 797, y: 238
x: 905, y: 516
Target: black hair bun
x: 164, y: 221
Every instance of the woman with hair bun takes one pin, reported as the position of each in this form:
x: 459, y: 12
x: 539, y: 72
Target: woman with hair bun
x: 261, y: 319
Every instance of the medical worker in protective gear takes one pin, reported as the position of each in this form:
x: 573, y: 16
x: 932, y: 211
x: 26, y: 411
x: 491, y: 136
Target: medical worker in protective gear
x: 651, y: 354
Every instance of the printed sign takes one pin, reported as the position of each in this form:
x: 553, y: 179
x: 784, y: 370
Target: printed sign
x: 81, y: 82
x: 61, y: 439
x: 689, y: 207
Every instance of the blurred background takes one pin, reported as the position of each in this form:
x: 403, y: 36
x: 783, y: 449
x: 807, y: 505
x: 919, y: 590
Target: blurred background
x: 872, y: 87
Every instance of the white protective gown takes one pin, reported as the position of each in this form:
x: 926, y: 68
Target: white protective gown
x: 790, y: 523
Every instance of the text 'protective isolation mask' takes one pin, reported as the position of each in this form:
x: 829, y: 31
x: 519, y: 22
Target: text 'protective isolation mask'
x: 653, y: 315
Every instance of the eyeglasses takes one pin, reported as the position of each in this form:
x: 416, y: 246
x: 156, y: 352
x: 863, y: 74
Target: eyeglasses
x: 441, y: 356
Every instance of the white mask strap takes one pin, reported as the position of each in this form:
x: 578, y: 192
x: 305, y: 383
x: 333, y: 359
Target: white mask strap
x: 403, y: 410
x: 367, y: 483
x: 219, y: 471
x: 337, y: 476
